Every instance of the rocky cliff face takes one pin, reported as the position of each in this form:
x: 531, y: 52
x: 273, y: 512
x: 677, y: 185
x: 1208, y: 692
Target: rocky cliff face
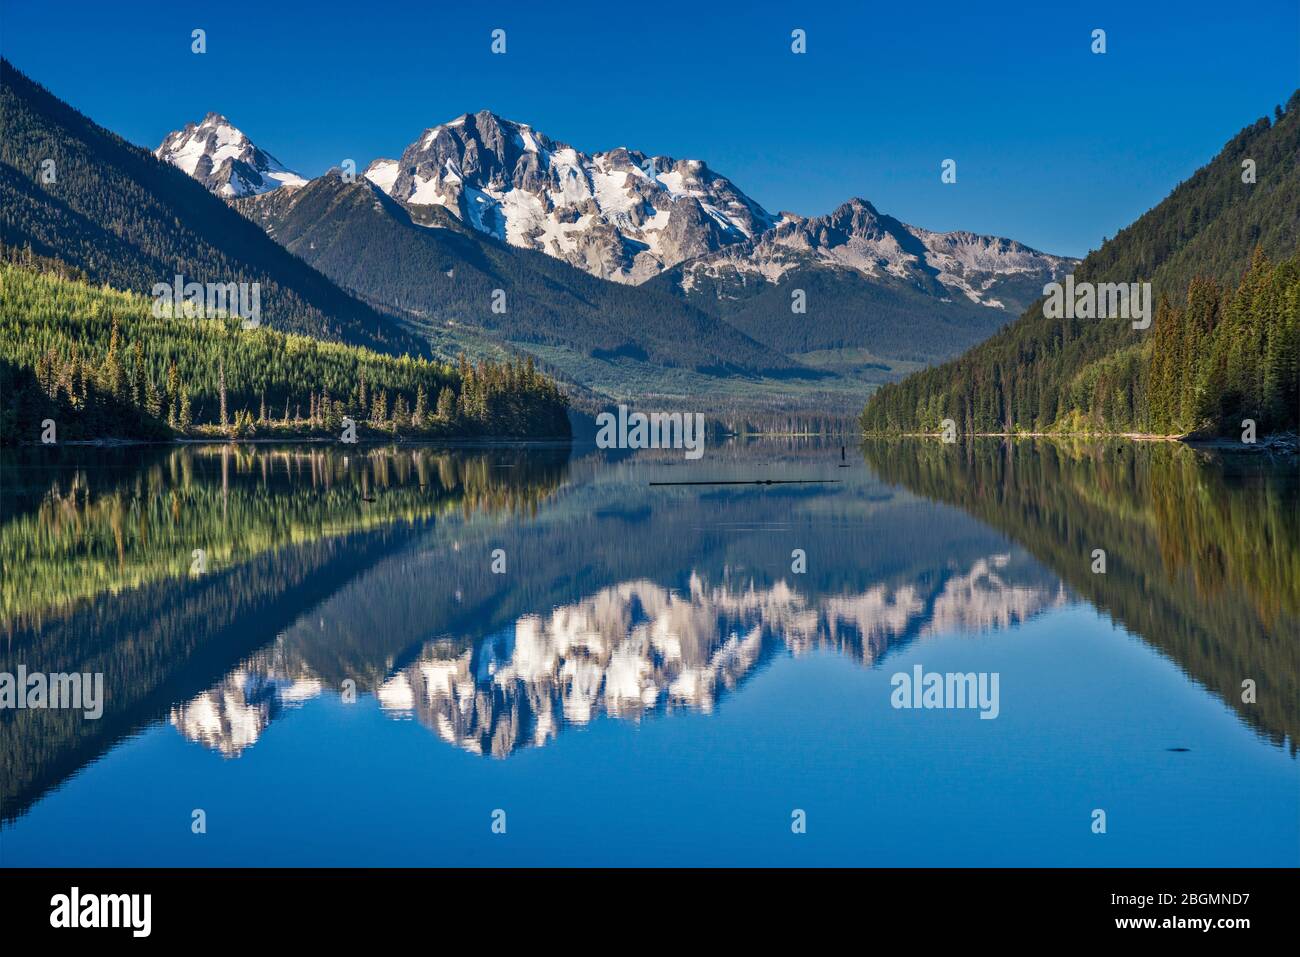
x: 620, y: 215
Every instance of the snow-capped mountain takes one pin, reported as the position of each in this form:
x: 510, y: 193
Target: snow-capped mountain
x: 855, y: 236
x: 621, y: 215
x: 628, y: 216
x: 222, y: 158
x: 482, y: 188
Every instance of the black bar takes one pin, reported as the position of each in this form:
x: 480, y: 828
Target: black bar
x: 978, y: 906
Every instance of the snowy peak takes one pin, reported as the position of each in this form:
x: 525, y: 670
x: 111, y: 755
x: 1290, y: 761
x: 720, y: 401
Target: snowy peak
x: 222, y: 158
x: 622, y: 214
x: 382, y: 172
x: 856, y: 236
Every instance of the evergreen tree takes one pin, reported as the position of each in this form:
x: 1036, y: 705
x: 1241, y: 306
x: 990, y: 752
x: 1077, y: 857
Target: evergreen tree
x: 401, y: 412
x: 185, y: 417
x: 153, y: 400
x: 137, y: 373
x: 421, y: 412
x: 446, y: 408
x: 221, y: 388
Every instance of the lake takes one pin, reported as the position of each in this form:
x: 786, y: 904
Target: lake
x: 532, y: 655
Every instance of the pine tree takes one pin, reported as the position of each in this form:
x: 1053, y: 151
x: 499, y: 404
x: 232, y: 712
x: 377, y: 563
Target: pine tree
x: 186, y: 418
x: 421, y: 407
x: 401, y: 413
x: 221, y: 388
x: 153, y: 401
x: 137, y: 373
x: 446, y: 408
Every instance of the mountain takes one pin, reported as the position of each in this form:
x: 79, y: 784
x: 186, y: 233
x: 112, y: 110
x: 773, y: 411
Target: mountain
x: 443, y: 275
x: 621, y: 215
x: 678, y: 227
x: 1224, y: 343
x: 482, y: 203
x: 984, y: 270
x: 224, y: 160
x: 117, y: 214
x: 867, y: 279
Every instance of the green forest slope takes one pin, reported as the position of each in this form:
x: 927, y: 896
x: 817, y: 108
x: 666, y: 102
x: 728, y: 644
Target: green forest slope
x: 99, y: 363
x: 1220, y: 255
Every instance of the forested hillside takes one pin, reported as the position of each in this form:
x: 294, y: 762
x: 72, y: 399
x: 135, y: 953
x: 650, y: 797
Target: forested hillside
x: 118, y: 214
x: 1220, y: 255
x: 99, y: 363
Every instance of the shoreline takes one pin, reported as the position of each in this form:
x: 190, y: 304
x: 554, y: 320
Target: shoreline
x: 1285, y: 443
x: 116, y: 443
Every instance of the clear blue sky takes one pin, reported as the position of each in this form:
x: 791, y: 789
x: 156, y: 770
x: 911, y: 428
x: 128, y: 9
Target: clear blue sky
x: 1055, y: 146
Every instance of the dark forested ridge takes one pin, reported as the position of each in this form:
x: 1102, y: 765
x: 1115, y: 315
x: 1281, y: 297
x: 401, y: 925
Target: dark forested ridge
x: 1220, y: 254
x: 99, y: 363
x: 440, y: 273
x: 125, y: 219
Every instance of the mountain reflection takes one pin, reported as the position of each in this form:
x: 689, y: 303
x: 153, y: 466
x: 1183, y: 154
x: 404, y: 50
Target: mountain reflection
x: 627, y: 651
x: 371, y: 569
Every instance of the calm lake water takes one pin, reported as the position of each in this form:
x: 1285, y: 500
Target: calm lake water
x: 387, y: 656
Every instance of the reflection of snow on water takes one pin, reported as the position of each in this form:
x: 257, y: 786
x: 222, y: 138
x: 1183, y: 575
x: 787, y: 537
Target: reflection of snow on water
x: 627, y: 650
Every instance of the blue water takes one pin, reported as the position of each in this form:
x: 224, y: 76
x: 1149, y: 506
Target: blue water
x: 590, y: 769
